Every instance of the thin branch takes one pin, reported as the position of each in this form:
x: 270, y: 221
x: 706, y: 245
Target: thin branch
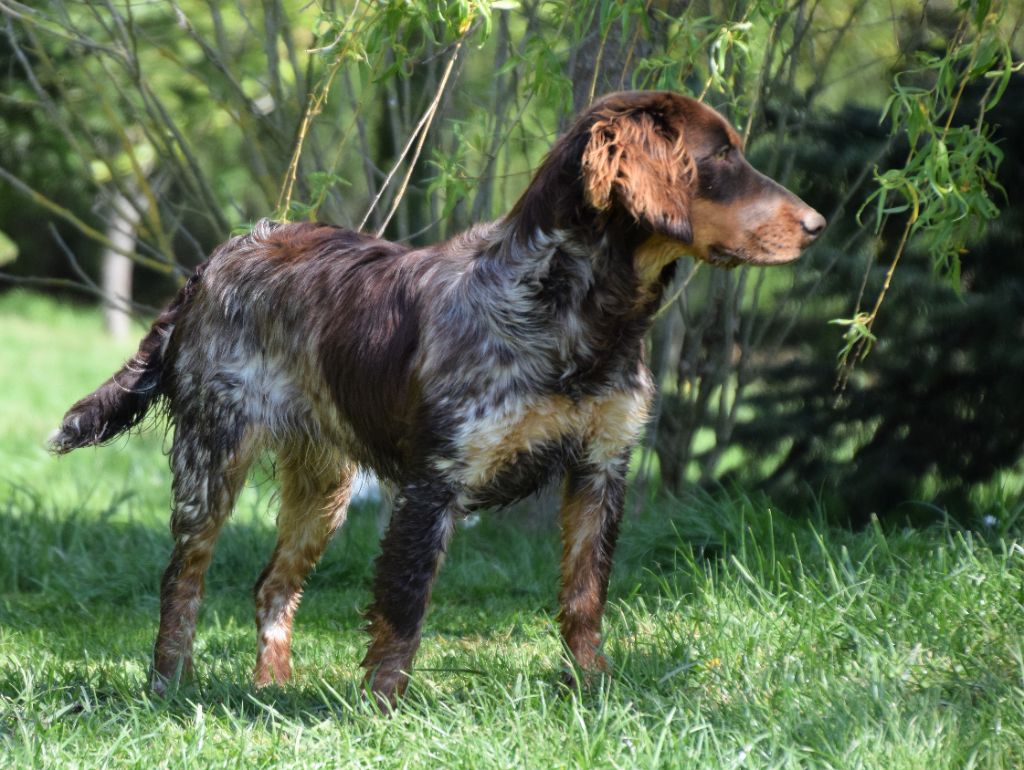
x: 123, y: 304
x: 314, y: 106
x: 421, y: 130
x: 86, y: 229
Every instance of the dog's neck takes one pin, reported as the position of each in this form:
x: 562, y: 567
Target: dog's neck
x: 572, y: 295
x: 600, y: 253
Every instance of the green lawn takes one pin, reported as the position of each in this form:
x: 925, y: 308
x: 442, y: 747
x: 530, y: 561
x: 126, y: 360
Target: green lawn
x: 741, y: 636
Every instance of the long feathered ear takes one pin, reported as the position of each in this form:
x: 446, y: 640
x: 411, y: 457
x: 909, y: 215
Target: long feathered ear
x: 633, y: 160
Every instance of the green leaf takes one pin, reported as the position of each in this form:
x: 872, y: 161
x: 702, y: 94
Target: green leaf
x: 981, y: 10
x: 8, y: 249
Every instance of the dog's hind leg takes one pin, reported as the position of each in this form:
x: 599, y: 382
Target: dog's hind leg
x: 411, y: 554
x: 315, y: 492
x: 209, y: 466
x: 591, y: 511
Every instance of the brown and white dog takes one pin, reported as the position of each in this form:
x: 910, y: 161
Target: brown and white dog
x: 468, y: 373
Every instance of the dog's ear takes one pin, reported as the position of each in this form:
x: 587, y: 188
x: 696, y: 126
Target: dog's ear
x: 635, y: 159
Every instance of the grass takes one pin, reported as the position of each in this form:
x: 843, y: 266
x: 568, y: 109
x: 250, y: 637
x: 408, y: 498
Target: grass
x: 741, y: 636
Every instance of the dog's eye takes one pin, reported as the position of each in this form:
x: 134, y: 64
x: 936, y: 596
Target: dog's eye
x: 724, y: 152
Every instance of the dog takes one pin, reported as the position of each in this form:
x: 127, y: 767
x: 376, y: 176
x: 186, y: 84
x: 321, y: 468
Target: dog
x: 468, y: 373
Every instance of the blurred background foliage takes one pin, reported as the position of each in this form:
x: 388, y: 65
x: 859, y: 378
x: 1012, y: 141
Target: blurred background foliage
x: 141, y: 134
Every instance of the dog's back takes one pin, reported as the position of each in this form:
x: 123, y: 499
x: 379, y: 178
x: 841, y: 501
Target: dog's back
x: 308, y: 332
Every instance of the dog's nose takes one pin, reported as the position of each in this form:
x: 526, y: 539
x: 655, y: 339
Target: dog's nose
x: 813, y: 223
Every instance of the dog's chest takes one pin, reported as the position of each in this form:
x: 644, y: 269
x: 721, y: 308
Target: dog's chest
x: 506, y: 452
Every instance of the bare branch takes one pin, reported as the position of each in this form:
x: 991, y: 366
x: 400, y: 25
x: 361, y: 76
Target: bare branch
x: 421, y: 132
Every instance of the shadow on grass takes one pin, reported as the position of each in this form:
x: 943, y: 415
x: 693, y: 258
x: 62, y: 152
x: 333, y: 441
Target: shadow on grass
x: 79, y: 605
x: 56, y: 562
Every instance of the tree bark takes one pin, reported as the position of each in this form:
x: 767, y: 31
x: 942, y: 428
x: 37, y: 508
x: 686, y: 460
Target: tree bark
x: 116, y: 279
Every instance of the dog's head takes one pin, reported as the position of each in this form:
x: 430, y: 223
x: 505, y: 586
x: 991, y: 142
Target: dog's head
x: 676, y: 167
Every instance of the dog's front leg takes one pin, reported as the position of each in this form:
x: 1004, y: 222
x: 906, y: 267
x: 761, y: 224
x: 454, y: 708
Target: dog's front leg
x: 592, y: 506
x: 411, y: 554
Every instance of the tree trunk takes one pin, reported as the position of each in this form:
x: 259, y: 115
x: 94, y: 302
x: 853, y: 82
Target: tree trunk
x: 116, y: 280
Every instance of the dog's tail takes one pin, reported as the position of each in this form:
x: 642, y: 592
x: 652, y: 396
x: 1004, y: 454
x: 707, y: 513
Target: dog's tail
x: 121, y: 402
